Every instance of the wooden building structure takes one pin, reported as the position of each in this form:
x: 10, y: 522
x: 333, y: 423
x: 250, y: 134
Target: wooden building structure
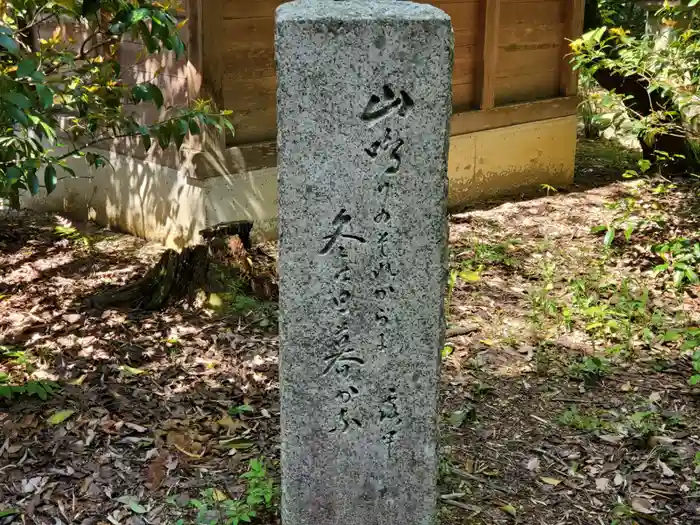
x: 514, y: 122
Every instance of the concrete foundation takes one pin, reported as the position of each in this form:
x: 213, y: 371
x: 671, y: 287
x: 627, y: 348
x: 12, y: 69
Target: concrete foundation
x: 171, y: 206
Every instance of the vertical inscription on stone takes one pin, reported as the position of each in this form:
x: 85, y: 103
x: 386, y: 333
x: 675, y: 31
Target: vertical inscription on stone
x: 364, y: 100
x: 386, y: 153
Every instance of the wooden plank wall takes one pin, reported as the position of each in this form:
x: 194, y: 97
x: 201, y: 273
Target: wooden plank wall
x: 530, y: 50
x: 506, y: 51
x: 248, y: 85
x: 465, y: 21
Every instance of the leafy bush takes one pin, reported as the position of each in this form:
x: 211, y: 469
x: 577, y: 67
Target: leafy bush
x: 589, y: 368
x: 657, y: 85
x: 681, y: 258
x: 59, y: 97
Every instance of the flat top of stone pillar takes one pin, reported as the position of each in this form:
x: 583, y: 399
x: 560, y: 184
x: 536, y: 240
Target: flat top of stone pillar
x: 309, y: 10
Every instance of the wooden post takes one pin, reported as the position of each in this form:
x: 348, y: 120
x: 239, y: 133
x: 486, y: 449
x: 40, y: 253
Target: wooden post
x: 202, y: 23
x: 573, y: 26
x: 194, y: 48
x: 486, y: 75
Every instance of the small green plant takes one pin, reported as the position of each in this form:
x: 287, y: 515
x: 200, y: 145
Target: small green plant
x: 41, y: 389
x: 542, y: 303
x: 618, y: 316
x: 644, y: 424
x: 626, y: 220
x: 15, y: 385
x: 447, y: 351
x: 486, y: 254
x: 580, y: 421
x: 549, y: 189
x: 240, y: 409
x: 695, y: 378
x: 66, y: 230
x: 681, y: 258
x: 589, y: 368
x: 215, y: 507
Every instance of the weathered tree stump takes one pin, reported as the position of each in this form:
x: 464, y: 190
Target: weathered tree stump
x: 181, y: 276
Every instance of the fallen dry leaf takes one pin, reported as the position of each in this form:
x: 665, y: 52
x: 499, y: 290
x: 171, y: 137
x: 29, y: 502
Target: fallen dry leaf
x: 60, y: 416
x: 550, y: 481
x: 665, y: 470
x: 533, y: 464
x: 641, y: 505
x: 157, y: 470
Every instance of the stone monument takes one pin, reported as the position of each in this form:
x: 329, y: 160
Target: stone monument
x: 364, y: 101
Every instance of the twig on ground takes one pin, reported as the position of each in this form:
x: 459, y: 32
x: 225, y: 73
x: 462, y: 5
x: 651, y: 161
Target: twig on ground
x: 552, y: 457
x: 454, y: 495
x: 466, y: 475
x: 473, y: 508
x: 461, y: 330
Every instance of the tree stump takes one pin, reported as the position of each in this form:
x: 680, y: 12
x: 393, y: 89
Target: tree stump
x: 181, y: 276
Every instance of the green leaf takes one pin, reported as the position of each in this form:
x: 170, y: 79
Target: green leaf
x: 609, y: 237
x: 59, y: 417
x: 457, y: 418
x: 155, y: 94
x: 510, y: 509
x: 146, y: 138
x: 33, y: 182
x: 693, y: 3
x: 45, y: 95
x: 26, y: 67
x: 138, y: 14
x: 68, y: 170
x: 694, y: 380
x: 131, y: 371
x: 446, y: 351
x: 594, y: 36
x: 141, y: 92
x: 133, y: 504
x: 691, y: 276
x: 240, y: 409
x: 50, y: 178
x: 177, y: 45
x: 644, y: 164
x: 13, y: 174
x: 469, y: 276
x: 90, y: 7
x: 49, y: 132
x: 660, y: 268
x: 9, y: 512
x: 678, y: 276
x: 18, y: 99
x: 228, y: 125
x: 9, y: 43
x: 550, y: 481
x: 672, y: 335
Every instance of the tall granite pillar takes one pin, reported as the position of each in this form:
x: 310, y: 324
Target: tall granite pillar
x: 364, y: 101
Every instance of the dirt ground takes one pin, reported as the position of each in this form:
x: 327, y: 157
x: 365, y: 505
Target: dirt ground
x: 565, y: 396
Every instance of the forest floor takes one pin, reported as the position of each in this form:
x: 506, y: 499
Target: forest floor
x: 565, y: 392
